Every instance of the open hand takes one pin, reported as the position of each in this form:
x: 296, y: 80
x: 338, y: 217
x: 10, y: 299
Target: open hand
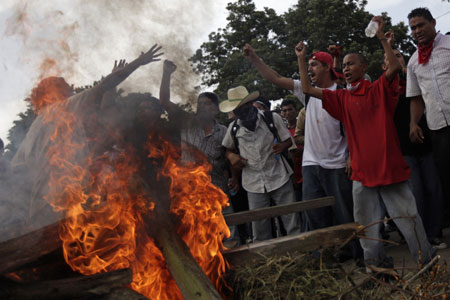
x: 119, y: 65
x: 151, y: 55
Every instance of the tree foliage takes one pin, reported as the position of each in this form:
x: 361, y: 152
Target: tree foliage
x: 317, y: 22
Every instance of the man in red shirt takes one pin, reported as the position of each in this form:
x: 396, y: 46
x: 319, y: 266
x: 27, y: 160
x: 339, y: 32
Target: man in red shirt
x: 380, y: 173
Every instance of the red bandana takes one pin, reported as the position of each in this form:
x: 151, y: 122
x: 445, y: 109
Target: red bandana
x: 425, y: 52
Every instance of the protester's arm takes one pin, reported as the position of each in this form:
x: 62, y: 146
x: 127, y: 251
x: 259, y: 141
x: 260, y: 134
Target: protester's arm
x: 394, y: 66
x: 164, y: 90
x: 283, y: 134
x: 120, y: 74
x: 267, y: 72
x: 237, y: 162
x: 299, y: 136
x: 417, y: 108
x: 300, y: 51
x: 336, y: 53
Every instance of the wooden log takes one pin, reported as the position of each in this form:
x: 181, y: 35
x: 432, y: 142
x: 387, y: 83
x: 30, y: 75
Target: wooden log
x: 17, y: 252
x: 77, y: 287
x: 123, y: 294
x: 307, y: 241
x: 190, y: 278
x: 274, y: 211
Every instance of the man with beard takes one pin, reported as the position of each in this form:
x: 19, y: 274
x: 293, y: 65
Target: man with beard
x: 253, y: 148
x: 428, y: 84
x: 201, y: 132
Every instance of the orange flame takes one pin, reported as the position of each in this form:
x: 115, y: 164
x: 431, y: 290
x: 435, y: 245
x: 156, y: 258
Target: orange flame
x: 103, y: 229
x: 50, y: 90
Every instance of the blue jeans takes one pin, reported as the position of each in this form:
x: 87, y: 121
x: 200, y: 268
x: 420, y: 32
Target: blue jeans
x: 319, y: 182
x: 426, y: 187
x: 398, y: 201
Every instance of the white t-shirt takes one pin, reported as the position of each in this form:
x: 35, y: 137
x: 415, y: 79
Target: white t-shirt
x: 324, y: 143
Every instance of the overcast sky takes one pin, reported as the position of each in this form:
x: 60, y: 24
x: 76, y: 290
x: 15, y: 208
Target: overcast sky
x: 85, y: 36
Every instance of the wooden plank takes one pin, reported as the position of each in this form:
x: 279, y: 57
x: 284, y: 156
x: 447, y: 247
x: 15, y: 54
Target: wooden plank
x: 307, y: 241
x: 16, y: 252
x: 274, y: 211
x: 77, y: 287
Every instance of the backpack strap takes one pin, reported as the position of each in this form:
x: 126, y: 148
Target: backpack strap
x: 234, y: 129
x: 268, y: 118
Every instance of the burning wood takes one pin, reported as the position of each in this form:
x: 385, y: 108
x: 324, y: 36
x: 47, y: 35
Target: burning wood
x: 116, y: 202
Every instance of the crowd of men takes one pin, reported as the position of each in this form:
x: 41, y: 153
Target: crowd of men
x: 379, y: 148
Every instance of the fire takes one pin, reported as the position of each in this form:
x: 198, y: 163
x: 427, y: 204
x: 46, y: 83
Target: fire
x: 104, y: 203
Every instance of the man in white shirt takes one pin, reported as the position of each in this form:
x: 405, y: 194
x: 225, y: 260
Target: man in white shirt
x: 252, y: 146
x: 428, y: 83
x: 325, y: 146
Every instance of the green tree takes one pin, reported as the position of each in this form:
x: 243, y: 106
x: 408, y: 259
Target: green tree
x: 17, y: 132
x: 317, y: 22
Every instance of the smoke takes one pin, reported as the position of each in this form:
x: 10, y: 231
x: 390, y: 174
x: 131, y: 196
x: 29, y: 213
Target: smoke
x: 79, y: 40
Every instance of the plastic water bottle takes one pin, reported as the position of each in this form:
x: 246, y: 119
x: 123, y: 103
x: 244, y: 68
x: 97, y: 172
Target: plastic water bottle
x: 371, y: 29
x: 277, y: 156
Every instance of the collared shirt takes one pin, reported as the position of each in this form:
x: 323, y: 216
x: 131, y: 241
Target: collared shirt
x: 324, y: 143
x: 432, y: 81
x: 264, y: 171
x: 211, y: 146
x: 367, y: 113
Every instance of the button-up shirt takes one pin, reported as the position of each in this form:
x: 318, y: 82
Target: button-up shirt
x: 211, y: 146
x: 432, y: 81
x: 264, y: 171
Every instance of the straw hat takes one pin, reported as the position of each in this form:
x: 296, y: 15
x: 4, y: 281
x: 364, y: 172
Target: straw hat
x: 237, y: 97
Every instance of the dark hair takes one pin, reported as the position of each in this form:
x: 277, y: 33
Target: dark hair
x: 263, y: 101
x: 2, y: 146
x: 361, y: 57
x: 421, y: 12
x: 211, y: 96
x: 287, y: 102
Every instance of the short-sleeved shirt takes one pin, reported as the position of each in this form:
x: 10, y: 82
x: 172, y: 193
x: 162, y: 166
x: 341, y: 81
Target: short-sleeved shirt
x: 367, y: 113
x: 432, y: 81
x: 324, y: 143
x: 264, y: 171
x: 211, y: 146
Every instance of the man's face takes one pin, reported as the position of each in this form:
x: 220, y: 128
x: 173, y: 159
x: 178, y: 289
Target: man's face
x: 206, y: 109
x: 317, y: 71
x: 422, y: 30
x: 353, y: 68
x: 289, y: 113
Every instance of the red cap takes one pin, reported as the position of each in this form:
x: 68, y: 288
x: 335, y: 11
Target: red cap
x: 327, y: 59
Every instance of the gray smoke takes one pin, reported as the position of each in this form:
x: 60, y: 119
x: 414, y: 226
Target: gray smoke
x: 79, y: 40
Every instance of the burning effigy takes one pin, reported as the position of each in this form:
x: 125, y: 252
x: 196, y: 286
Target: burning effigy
x: 108, y: 169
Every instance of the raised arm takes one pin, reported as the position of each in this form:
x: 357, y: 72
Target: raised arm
x: 300, y: 51
x: 120, y: 74
x: 394, y: 66
x: 267, y: 72
x: 164, y: 90
x: 417, y: 108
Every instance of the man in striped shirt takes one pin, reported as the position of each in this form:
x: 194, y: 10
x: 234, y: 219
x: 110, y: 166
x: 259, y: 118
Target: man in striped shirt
x: 428, y: 85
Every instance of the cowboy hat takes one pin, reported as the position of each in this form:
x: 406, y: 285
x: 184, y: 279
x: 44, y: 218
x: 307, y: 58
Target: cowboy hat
x: 237, y: 97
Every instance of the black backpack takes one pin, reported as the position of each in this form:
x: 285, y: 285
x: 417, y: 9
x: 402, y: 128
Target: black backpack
x: 268, y: 119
